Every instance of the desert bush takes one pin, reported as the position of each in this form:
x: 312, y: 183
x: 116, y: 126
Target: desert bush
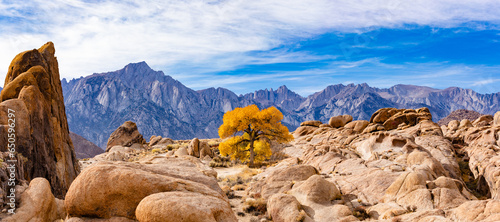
x: 255, y: 206
x: 174, y: 146
x: 219, y: 161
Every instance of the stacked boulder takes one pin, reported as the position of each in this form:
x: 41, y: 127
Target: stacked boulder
x: 125, y: 140
x: 126, y: 135
x: 199, y: 149
x: 392, y: 118
x: 159, y: 142
x: 152, y: 189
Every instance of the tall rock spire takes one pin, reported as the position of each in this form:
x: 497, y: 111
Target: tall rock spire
x: 33, y: 90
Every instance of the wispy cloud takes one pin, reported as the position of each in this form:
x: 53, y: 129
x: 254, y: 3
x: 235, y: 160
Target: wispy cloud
x: 197, y: 37
x: 485, y: 82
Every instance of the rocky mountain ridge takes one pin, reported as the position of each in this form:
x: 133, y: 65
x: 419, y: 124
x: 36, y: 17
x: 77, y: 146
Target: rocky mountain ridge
x: 159, y: 104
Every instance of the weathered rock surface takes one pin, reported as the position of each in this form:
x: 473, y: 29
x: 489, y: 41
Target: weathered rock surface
x: 183, y: 206
x: 125, y: 135
x: 496, y: 120
x: 284, y: 208
x: 392, y: 118
x: 33, y: 92
x: 281, y: 180
x: 339, y: 121
x: 406, y: 168
x: 314, y: 123
x: 115, y: 189
x: 199, y: 149
x: 38, y: 204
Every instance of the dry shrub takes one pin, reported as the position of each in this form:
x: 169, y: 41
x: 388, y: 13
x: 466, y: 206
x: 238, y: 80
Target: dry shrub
x: 255, y: 206
x: 220, y: 161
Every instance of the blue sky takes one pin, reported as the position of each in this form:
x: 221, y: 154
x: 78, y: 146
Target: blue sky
x: 250, y: 45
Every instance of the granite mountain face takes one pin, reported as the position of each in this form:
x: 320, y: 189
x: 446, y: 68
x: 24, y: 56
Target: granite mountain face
x: 99, y: 103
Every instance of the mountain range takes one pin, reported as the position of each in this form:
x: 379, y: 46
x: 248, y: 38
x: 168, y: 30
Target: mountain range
x: 160, y: 105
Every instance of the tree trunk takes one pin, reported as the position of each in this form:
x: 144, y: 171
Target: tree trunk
x: 252, y: 154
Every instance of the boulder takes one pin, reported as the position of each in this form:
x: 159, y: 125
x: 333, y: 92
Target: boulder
x: 357, y: 126
x: 205, y: 150
x: 477, y: 210
x: 33, y: 91
x: 181, y: 152
x: 373, y: 127
x: 382, y: 115
x: 453, y: 125
x: 340, y: 121
x: 282, y: 180
x: 483, y: 120
x: 325, y: 125
x: 317, y: 190
x: 114, y: 189
x: 496, y: 119
x: 304, y: 130
x: 183, y: 206
x: 125, y: 135
x: 38, y: 204
x: 285, y: 208
x: 199, y: 149
x: 166, y: 141
x: 194, y: 147
x: 86, y: 219
x: 314, y: 123
x: 154, y: 140
x: 392, y: 118
x: 465, y: 123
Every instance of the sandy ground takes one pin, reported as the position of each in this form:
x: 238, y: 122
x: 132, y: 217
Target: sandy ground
x: 223, y: 172
x: 236, y: 202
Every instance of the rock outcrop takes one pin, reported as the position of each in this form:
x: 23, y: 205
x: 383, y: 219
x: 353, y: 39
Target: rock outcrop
x: 339, y: 121
x: 400, y: 166
x: 199, y: 149
x: 183, y: 206
x: 126, y: 135
x: 496, y: 119
x: 149, y: 191
x: 33, y: 93
x: 38, y: 204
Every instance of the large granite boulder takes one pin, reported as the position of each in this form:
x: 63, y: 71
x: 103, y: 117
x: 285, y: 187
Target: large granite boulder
x: 199, y: 149
x: 125, y: 135
x: 38, y: 204
x: 33, y: 93
x: 392, y: 118
x: 115, y: 189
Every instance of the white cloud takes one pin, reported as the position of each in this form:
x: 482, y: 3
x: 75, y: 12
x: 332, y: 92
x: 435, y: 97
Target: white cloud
x: 205, y: 35
x: 484, y: 82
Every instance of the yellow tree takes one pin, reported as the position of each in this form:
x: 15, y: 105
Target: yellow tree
x: 249, y: 131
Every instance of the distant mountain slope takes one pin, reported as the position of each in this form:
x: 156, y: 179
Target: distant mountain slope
x: 83, y: 147
x: 97, y: 104
x: 460, y: 115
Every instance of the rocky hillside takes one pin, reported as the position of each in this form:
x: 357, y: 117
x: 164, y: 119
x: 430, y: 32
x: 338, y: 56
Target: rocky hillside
x: 160, y: 105
x: 460, y: 115
x: 399, y: 166
x: 83, y: 147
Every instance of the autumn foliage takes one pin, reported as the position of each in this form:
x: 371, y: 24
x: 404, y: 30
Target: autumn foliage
x: 248, y: 131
